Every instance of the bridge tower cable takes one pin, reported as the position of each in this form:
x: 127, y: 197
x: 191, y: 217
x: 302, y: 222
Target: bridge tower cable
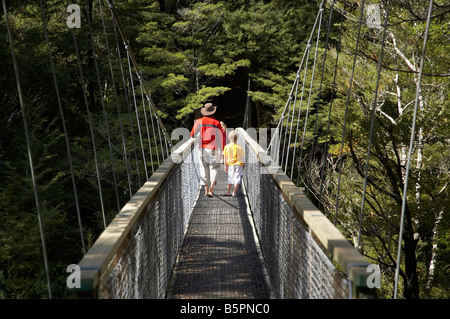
x: 66, y: 135
x: 30, y: 153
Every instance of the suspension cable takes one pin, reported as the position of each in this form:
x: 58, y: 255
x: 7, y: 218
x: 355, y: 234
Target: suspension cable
x: 160, y: 127
x: 105, y: 115
x: 333, y: 88
x: 310, y: 91
x: 153, y: 129
x: 320, y: 95
x: 136, y: 111
x: 411, y: 144
x: 292, y: 119
x: 146, y: 126
x: 304, y: 59
x: 66, y: 135
x: 285, y: 117
x: 372, y: 121
x: 91, y: 129
x: 341, y: 159
x: 128, y: 103
x: 30, y: 153
x: 298, y: 117
x: 137, y: 69
x: 116, y: 98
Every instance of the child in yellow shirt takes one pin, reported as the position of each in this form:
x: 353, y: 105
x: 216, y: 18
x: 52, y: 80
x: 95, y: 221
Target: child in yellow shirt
x: 233, y: 157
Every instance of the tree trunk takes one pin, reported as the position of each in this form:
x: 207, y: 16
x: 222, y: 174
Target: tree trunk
x: 161, y: 5
x: 433, y: 253
x: 411, y: 282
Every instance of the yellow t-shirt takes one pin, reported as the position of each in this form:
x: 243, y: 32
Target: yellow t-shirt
x: 233, y: 154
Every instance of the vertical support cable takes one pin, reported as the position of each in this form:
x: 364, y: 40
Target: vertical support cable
x: 346, y: 107
x: 247, y: 103
x: 136, y: 67
x: 105, y: 115
x: 66, y: 135
x: 91, y: 129
x: 146, y: 124
x: 136, y: 110
x: 297, y: 78
x: 153, y: 128
x: 298, y: 118
x: 285, y: 139
x: 310, y: 93
x: 127, y: 99
x: 372, y: 121
x: 320, y: 95
x: 30, y: 153
x: 338, y: 48
x: 116, y: 98
x: 302, y: 63
x: 160, y: 127
x: 411, y: 144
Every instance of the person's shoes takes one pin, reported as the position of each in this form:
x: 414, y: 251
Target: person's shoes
x: 210, y: 195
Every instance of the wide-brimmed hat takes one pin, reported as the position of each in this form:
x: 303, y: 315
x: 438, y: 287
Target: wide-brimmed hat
x: 208, y: 109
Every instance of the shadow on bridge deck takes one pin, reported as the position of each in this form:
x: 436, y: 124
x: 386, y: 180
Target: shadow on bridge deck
x: 219, y: 257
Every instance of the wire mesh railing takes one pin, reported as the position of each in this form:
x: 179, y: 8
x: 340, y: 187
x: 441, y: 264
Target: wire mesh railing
x: 306, y: 256
x: 133, y: 257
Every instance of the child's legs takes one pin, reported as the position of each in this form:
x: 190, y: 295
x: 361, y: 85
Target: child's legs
x: 230, y: 181
x: 237, y: 178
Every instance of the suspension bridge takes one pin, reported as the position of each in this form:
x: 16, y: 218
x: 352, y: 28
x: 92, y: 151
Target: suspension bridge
x: 169, y: 241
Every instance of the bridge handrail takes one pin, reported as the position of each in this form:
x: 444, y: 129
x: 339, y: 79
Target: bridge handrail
x: 353, y: 264
x: 102, y: 257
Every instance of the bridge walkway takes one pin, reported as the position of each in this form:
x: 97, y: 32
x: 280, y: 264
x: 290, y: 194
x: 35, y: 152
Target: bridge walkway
x: 220, y: 257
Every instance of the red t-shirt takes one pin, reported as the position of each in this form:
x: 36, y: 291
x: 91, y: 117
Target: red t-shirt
x: 211, y: 132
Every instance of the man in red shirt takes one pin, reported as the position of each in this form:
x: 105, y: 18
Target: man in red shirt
x: 213, y: 138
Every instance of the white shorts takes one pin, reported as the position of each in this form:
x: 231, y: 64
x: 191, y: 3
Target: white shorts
x: 210, y: 166
x: 235, y: 174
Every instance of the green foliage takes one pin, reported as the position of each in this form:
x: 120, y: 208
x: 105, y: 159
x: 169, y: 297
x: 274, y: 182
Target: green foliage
x: 197, y: 99
x: 429, y: 178
x: 196, y: 51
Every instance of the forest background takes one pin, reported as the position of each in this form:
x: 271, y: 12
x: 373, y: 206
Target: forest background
x: 244, y: 56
